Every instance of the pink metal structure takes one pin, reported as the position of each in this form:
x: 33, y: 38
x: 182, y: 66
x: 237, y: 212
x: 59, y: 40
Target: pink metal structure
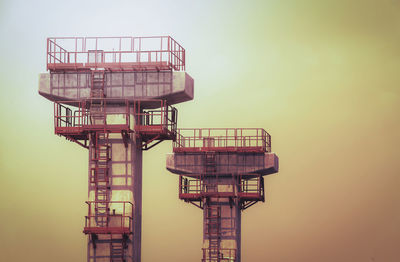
x: 115, y: 128
x: 113, y: 223
x: 155, y: 125
x: 249, y: 189
x: 249, y: 140
x: 221, y: 171
x: 76, y: 122
x: 113, y: 96
x: 115, y: 53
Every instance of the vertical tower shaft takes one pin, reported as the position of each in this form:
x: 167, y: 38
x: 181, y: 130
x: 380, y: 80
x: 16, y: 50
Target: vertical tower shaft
x: 221, y: 213
x: 221, y: 226
x: 115, y: 197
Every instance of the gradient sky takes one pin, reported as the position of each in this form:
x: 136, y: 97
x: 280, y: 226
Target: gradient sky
x: 323, y: 77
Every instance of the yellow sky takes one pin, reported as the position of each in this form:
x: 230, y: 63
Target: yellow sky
x: 323, y: 77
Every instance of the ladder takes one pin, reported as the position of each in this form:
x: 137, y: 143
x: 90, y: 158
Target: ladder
x: 97, y: 94
x: 100, y: 156
x: 99, y: 178
x: 116, y: 250
x: 97, y: 84
x: 98, y: 116
x: 210, y: 165
x: 210, y: 168
x: 213, y: 224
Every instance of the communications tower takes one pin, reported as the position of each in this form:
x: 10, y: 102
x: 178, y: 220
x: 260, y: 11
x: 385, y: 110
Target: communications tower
x: 221, y: 171
x: 114, y: 97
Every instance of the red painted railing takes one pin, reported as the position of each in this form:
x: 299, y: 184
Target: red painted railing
x: 74, y: 117
x: 117, y: 221
x: 115, y: 53
x: 247, y: 188
x: 159, y: 121
x: 222, y: 140
x: 225, y: 255
x: 68, y: 119
x: 154, y: 118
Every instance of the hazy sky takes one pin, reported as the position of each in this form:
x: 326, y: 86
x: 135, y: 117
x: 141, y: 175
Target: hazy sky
x: 323, y: 77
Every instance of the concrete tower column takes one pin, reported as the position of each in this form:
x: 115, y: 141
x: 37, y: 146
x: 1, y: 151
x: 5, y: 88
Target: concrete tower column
x: 223, y: 180
x: 228, y: 221
x: 125, y: 181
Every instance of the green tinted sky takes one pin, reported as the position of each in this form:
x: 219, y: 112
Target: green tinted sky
x: 321, y: 76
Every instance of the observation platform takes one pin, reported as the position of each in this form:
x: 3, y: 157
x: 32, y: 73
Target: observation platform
x: 118, y: 222
x: 124, y: 53
x: 240, y: 140
x: 226, y: 255
x: 195, y: 189
x: 75, y: 122
x: 134, y: 68
x: 239, y: 151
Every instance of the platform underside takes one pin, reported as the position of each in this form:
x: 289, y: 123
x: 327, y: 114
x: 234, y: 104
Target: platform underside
x: 174, y: 87
x: 200, y: 196
x: 236, y: 163
x: 107, y: 230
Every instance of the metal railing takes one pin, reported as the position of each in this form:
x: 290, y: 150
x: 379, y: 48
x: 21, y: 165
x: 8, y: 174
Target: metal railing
x: 74, y: 118
x: 68, y: 118
x: 140, y: 53
x: 118, y: 219
x: 252, y: 188
x: 190, y: 186
x: 155, y: 121
x: 78, y: 118
x: 244, y: 187
x: 225, y: 255
x: 222, y: 139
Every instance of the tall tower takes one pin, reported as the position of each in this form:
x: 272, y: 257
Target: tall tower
x: 221, y: 171
x: 113, y: 96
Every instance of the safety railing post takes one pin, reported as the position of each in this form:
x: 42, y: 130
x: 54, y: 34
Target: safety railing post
x: 180, y: 185
x: 47, y: 54
x: 123, y: 215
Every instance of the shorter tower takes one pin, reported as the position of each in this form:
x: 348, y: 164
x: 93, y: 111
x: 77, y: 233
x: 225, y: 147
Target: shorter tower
x: 221, y: 171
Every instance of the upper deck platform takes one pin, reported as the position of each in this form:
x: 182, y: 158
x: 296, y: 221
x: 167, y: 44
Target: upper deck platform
x: 222, y: 151
x: 115, y: 53
x: 241, y: 140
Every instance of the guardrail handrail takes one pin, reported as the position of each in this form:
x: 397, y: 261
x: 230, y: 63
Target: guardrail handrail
x: 219, y: 138
x: 74, y: 53
x: 75, y: 116
x: 164, y: 115
x: 125, y: 217
x: 78, y: 115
